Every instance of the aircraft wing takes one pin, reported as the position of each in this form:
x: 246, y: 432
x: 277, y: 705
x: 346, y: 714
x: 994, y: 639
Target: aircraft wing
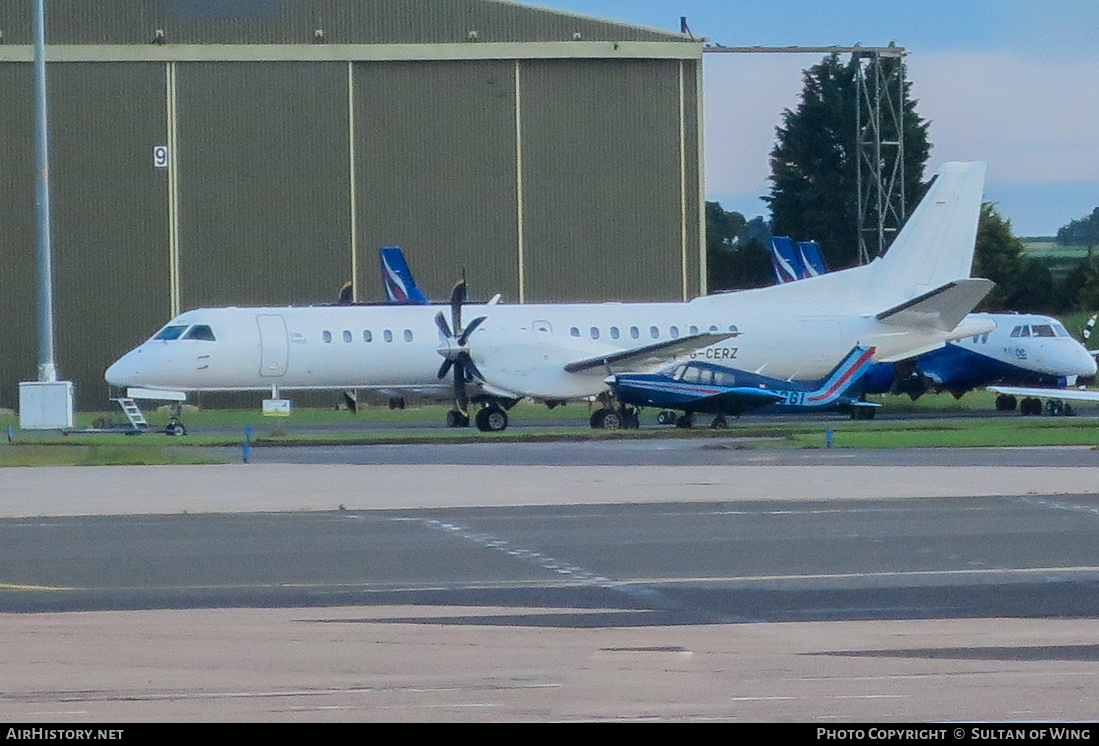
x: 1063, y: 394
x: 942, y: 308
x: 651, y: 356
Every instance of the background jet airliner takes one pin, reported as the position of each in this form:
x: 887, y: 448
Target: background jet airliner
x: 911, y: 301
x: 706, y: 388
x: 1023, y: 350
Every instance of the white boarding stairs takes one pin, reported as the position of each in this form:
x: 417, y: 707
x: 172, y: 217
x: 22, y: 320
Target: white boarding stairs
x: 133, y: 413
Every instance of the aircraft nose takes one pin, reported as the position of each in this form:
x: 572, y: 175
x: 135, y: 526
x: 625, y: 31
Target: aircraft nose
x: 1087, y: 364
x: 123, y: 372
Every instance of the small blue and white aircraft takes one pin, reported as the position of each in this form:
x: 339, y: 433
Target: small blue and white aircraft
x: 707, y: 388
x: 908, y: 302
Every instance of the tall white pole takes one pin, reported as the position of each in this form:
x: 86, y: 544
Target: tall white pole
x: 47, y: 366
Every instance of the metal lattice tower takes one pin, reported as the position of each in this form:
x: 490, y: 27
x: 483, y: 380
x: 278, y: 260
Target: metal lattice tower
x: 879, y: 82
x: 879, y: 141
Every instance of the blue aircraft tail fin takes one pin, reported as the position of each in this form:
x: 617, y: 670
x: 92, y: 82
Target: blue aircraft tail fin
x: 812, y: 263
x: 400, y: 287
x: 844, y: 376
x: 786, y: 260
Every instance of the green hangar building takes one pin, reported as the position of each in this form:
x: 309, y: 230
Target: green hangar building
x: 260, y: 152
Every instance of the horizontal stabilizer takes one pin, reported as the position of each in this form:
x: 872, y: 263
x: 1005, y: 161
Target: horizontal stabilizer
x: 1060, y: 394
x: 651, y: 356
x: 942, y: 308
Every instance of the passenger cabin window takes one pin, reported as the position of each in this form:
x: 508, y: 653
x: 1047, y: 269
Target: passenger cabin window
x: 170, y: 332
x: 367, y: 336
x: 713, y: 328
x: 654, y: 332
x: 326, y: 336
x: 407, y: 335
x: 634, y: 332
x: 574, y: 331
x: 387, y: 335
x: 594, y: 332
x: 692, y: 330
x: 674, y: 331
x: 614, y: 332
x: 346, y: 336
x: 733, y: 329
x: 200, y: 331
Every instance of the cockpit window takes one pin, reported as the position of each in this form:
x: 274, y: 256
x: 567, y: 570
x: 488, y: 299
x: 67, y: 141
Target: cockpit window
x: 1061, y: 331
x: 1043, y: 330
x: 200, y: 331
x: 171, y: 332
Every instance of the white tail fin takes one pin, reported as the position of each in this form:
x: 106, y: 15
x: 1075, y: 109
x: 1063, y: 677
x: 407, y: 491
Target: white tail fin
x: 935, y: 246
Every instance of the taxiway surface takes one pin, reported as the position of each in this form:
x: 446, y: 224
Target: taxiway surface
x: 674, y: 582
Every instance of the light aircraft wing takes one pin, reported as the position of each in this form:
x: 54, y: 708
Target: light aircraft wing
x: 942, y: 308
x: 650, y: 356
x: 1063, y: 394
x: 744, y: 398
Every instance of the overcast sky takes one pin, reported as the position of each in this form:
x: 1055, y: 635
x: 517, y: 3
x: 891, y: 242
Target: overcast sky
x: 1011, y: 82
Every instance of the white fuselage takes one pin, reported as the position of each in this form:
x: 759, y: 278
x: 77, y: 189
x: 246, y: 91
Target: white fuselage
x: 906, y: 303
x: 1034, y: 344
x: 520, y: 350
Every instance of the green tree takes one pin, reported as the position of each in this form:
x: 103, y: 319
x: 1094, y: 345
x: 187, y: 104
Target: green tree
x: 814, y: 165
x: 1022, y: 283
x: 1081, y: 232
x: 736, y: 256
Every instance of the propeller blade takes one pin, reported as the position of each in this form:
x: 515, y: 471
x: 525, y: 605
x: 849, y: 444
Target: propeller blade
x: 472, y: 374
x: 469, y: 330
x: 461, y: 399
x: 457, y: 296
x: 440, y: 321
x: 445, y: 367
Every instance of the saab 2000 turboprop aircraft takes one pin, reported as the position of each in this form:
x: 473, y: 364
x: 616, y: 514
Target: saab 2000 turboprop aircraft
x: 910, y: 301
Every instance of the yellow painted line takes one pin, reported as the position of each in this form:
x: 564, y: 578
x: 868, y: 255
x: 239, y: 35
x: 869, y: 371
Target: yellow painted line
x: 21, y: 587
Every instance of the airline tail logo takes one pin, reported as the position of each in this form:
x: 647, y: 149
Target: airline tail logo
x: 400, y: 288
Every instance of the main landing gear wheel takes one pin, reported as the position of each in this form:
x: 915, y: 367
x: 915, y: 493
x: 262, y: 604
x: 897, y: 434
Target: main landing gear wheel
x: 685, y: 421
x: 666, y: 417
x: 605, y: 419
x: 1005, y: 403
x: 492, y: 419
x: 1030, y: 405
x: 608, y: 418
x: 454, y: 418
x: 175, y: 428
x: 720, y: 423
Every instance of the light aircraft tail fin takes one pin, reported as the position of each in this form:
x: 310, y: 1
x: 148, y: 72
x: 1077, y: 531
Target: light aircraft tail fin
x: 843, y: 377
x: 400, y: 287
